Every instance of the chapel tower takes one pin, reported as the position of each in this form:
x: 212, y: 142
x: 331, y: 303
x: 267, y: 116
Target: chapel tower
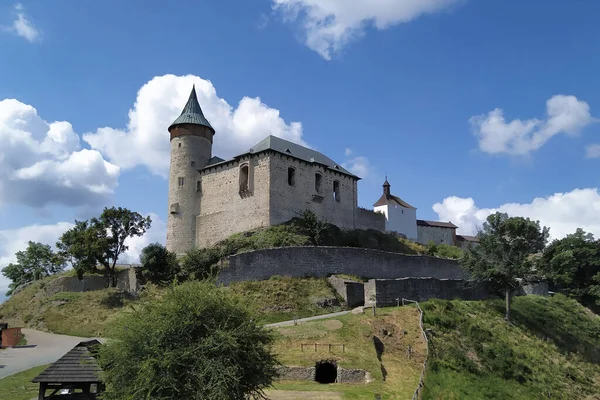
x: 191, y: 137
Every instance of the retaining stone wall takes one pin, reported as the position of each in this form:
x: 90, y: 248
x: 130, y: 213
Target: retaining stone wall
x: 127, y: 280
x: 325, y: 261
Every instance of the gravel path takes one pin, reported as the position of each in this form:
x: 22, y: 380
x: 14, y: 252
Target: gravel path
x: 299, y: 321
x: 48, y: 348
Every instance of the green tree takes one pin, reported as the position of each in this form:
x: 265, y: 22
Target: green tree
x: 159, y: 264
x: 573, y: 265
x: 314, y: 227
x: 503, y: 259
x: 200, y: 263
x: 35, y: 262
x: 197, y: 342
x: 102, y: 240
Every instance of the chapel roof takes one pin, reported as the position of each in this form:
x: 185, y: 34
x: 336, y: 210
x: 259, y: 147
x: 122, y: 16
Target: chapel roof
x: 388, y: 198
x: 192, y: 113
x: 438, y: 224
x: 77, y: 366
x: 467, y: 238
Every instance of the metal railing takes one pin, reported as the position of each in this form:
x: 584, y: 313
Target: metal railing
x: 419, y: 390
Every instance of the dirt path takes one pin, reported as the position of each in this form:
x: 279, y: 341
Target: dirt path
x: 299, y: 321
x: 46, y: 348
x: 297, y: 395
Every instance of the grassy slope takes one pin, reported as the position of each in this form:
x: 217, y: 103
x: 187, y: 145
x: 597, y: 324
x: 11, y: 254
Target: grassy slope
x: 356, y: 332
x: 552, y: 350
x: 19, y: 386
x: 89, y: 313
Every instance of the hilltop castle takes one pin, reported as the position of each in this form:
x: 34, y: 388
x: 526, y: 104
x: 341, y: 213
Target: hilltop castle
x: 274, y: 181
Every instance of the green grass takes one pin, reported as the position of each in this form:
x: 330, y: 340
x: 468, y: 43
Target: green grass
x: 357, y: 332
x: 19, y: 386
x: 550, y: 350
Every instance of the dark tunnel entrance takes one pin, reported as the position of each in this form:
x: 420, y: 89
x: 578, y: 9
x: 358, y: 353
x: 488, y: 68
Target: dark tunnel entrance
x: 326, y: 372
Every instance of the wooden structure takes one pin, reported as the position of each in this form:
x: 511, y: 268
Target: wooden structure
x: 77, y: 373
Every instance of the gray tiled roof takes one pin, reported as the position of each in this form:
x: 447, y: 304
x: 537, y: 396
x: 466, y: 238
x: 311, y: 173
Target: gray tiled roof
x: 438, y: 224
x: 467, y: 238
x: 291, y: 149
x: 192, y: 113
x: 77, y: 366
x: 383, y: 200
x: 214, y: 160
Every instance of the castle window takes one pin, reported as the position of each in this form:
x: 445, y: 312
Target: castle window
x: 180, y: 181
x: 179, y: 145
x: 318, y: 180
x: 291, y: 176
x: 244, y: 176
x: 198, y: 186
x: 336, y: 190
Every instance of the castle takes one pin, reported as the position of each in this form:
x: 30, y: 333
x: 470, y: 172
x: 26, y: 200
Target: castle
x: 274, y: 181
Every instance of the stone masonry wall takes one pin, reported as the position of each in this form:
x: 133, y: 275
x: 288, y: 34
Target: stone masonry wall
x: 326, y: 261
x: 223, y: 210
x: 367, y: 219
x: 436, y: 234
x: 127, y: 280
x: 352, y: 292
x: 288, y: 201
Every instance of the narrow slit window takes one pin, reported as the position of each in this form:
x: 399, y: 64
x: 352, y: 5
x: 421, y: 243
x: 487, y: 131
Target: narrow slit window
x: 318, y: 181
x: 198, y: 186
x: 180, y: 181
x: 336, y: 190
x: 291, y: 176
x: 244, y: 178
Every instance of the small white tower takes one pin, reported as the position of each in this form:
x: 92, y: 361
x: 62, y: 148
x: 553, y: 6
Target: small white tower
x: 400, y: 216
x: 191, y: 149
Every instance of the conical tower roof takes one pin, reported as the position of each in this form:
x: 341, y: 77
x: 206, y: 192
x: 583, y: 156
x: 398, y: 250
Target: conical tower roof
x: 192, y: 113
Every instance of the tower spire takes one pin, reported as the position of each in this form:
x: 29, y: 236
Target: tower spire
x: 386, y: 187
x: 192, y: 113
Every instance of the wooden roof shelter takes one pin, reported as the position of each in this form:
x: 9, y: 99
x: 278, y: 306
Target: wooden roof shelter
x: 77, y: 372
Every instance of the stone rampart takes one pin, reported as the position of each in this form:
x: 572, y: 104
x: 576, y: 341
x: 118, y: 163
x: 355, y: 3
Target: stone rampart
x: 322, y: 262
x: 369, y: 219
x: 128, y: 280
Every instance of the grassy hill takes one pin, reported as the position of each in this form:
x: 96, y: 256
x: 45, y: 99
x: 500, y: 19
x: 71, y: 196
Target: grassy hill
x: 551, y: 350
x: 89, y: 313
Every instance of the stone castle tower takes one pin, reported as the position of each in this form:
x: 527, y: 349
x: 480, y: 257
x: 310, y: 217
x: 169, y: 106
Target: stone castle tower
x: 191, y: 137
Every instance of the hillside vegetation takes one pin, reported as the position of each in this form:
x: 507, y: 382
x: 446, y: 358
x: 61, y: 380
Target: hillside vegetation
x: 550, y: 350
x: 89, y: 313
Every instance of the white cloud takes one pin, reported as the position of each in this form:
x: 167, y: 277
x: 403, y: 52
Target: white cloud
x: 42, y: 162
x: 330, y: 25
x: 22, y: 26
x: 592, y: 151
x: 565, y: 114
x: 359, y: 166
x: 562, y: 212
x: 158, y: 104
x: 13, y: 240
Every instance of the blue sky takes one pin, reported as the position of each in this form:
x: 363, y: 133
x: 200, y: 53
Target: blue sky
x: 468, y: 106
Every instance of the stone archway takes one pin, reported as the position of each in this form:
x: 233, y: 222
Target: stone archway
x: 326, y: 371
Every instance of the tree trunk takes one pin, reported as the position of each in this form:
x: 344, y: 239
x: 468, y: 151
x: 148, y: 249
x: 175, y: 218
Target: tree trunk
x: 507, y: 316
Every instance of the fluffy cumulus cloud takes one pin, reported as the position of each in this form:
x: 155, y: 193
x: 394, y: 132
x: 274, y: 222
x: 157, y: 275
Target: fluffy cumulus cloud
x: 161, y: 100
x: 43, y: 163
x: 22, y: 25
x: 564, y: 114
x: 14, y: 240
x: 359, y: 165
x: 562, y: 212
x: 329, y: 25
x: 592, y: 151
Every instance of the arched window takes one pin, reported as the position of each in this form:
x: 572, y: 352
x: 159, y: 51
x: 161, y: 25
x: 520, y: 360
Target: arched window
x: 244, y: 177
x: 291, y: 176
x: 336, y: 190
x: 318, y: 181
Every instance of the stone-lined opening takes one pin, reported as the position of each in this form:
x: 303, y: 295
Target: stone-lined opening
x: 326, y: 372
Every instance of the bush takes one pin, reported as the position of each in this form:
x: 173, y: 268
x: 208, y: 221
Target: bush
x: 200, y: 263
x: 159, y: 265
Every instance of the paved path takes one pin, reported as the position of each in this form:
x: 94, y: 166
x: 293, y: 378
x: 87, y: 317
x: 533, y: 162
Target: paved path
x: 299, y: 321
x: 49, y: 348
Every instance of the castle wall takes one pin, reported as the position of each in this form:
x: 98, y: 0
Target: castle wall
x: 367, y: 219
x: 400, y: 219
x: 128, y: 280
x: 224, y: 209
x: 436, y: 234
x: 188, y: 154
x: 324, y: 261
x: 289, y: 201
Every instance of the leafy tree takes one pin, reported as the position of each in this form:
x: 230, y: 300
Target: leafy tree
x: 102, y: 240
x: 159, y: 264
x: 200, y: 263
x: 197, y: 342
x: 35, y: 262
x: 77, y: 246
x: 573, y: 265
x: 503, y: 259
x: 314, y: 228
